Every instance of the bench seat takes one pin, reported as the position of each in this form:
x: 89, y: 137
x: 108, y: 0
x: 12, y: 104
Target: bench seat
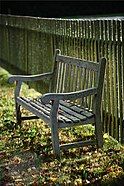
x: 68, y: 113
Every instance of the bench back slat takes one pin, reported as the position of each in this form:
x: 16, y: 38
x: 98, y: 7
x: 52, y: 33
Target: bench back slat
x: 78, y: 62
x: 73, y: 74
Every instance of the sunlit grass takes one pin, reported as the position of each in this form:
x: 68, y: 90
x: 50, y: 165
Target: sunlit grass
x: 26, y: 155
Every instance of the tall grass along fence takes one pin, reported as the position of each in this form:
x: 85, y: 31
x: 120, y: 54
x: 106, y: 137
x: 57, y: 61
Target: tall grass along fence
x: 28, y: 44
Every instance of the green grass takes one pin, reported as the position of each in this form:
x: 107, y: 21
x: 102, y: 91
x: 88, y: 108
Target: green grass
x: 26, y: 155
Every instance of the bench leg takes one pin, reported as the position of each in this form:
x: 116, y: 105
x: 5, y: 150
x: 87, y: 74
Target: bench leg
x: 55, y: 140
x: 99, y: 132
x: 18, y: 114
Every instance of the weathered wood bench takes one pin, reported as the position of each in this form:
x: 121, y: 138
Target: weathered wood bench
x: 74, y: 98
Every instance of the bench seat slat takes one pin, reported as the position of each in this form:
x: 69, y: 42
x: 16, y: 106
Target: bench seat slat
x: 48, y: 108
x: 71, y: 112
x: 76, y: 113
x: 31, y: 102
x: 64, y: 119
x: 67, y: 116
x: 84, y: 112
x: 43, y: 109
x: 71, y: 117
x: 66, y: 112
x: 37, y: 112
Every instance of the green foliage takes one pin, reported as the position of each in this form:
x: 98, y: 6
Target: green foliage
x: 1, y: 146
x: 4, y: 78
x: 32, y: 132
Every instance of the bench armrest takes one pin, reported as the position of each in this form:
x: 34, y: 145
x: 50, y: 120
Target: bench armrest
x: 68, y: 96
x: 23, y: 78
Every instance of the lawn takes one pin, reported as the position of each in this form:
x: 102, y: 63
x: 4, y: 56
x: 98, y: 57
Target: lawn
x: 26, y: 155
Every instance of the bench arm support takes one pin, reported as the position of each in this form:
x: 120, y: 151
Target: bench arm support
x: 68, y: 96
x: 23, y: 78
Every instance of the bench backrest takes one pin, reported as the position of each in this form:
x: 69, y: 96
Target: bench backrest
x: 72, y: 74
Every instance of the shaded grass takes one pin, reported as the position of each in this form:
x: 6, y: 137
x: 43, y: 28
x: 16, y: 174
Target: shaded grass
x: 26, y: 155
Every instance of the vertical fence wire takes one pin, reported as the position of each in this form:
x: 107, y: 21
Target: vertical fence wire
x: 122, y: 67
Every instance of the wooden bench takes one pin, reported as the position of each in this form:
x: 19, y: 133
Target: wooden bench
x: 74, y: 98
